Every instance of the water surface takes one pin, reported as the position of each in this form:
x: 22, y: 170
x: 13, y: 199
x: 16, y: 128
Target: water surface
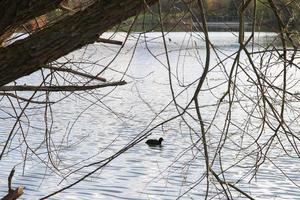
x: 94, y: 126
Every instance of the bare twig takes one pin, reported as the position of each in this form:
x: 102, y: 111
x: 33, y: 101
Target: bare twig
x: 75, y: 72
x: 24, y: 99
x: 109, y: 41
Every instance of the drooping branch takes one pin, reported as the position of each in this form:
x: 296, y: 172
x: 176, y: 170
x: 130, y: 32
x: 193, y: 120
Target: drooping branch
x: 73, y: 32
x: 65, y: 88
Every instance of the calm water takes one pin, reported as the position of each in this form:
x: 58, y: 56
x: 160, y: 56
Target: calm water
x: 88, y: 127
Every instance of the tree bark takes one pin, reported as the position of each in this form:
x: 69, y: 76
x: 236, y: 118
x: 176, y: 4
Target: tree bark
x: 18, y: 12
x: 73, y: 32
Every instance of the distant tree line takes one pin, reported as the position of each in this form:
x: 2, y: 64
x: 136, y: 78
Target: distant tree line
x: 216, y: 11
x: 227, y: 10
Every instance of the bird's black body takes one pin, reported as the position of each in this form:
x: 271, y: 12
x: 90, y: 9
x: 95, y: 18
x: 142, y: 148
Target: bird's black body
x: 154, y: 142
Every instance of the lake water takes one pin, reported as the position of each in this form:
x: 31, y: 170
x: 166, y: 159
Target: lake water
x: 88, y: 127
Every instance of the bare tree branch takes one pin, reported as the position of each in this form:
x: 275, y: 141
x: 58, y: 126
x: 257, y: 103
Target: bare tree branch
x: 66, y: 88
x: 109, y: 41
x: 75, y: 72
x: 73, y: 32
x: 13, y: 194
x: 25, y: 99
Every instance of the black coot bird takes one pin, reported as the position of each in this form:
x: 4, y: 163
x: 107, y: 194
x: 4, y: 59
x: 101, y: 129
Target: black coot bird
x: 154, y: 142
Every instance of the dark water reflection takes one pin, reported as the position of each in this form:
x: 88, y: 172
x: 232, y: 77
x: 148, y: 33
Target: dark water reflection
x: 143, y: 172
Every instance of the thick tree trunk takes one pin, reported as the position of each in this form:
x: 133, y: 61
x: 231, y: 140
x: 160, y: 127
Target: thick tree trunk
x: 30, y: 54
x: 18, y: 12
